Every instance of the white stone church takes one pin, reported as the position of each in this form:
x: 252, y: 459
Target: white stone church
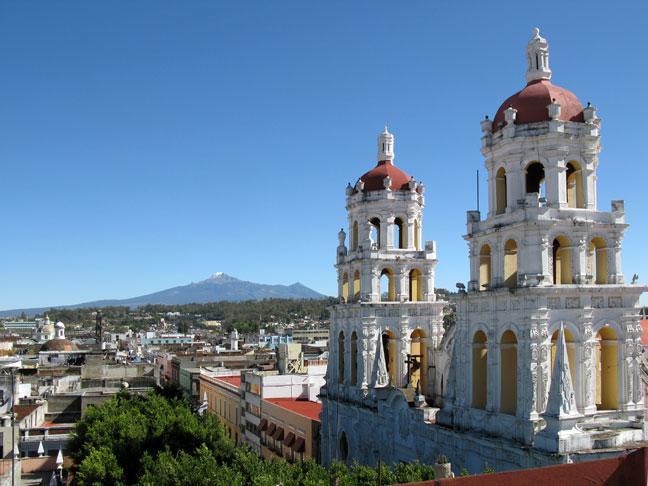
x: 542, y: 365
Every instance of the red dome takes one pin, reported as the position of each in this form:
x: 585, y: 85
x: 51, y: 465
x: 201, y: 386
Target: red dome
x: 531, y: 104
x: 373, y: 180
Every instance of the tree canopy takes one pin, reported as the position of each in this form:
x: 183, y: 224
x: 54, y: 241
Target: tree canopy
x: 155, y: 440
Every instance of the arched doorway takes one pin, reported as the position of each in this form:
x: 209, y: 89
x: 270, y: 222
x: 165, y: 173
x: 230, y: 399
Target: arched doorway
x: 479, y: 370
x: 562, y: 262
x: 598, y: 260
x: 344, y: 447
x: 484, y: 267
x: 535, y: 178
x: 607, y: 369
x: 510, y: 264
x: 415, y: 286
x: 387, y: 287
x: 574, y: 178
x: 508, y: 373
x: 417, y: 361
x: 500, y: 191
x: 375, y: 233
x: 400, y: 234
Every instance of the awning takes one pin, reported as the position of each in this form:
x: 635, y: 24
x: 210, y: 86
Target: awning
x: 271, y: 429
x: 263, y: 425
x: 290, y: 438
x: 299, y: 444
x: 279, y: 434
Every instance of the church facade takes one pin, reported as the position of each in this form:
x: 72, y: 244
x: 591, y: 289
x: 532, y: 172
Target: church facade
x: 542, y: 364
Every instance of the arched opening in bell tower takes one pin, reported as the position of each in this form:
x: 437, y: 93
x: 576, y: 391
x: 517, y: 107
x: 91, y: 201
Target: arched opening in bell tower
x: 387, y: 289
x: 389, y: 347
x: 508, y: 373
x: 574, y: 178
x: 415, y: 285
x: 571, y: 350
x: 375, y: 233
x: 400, y: 234
x: 607, y: 369
x: 344, y: 448
x: 510, y: 264
x: 484, y: 267
x: 354, y: 236
x: 417, y: 361
x: 354, y: 358
x: 598, y: 257
x: 535, y: 178
x: 562, y: 262
x: 345, y: 287
x: 356, y: 285
x: 341, y: 352
x: 500, y: 191
x: 479, y: 370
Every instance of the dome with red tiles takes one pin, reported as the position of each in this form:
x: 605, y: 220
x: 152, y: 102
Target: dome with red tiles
x: 374, y: 179
x: 531, y: 104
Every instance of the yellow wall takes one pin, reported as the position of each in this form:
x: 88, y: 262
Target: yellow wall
x: 562, y: 262
x: 417, y: 347
x: 416, y: 287
x: 508, y: 377
x: 484, y: 266
x: 510, y: 263
x: 500, y: 191
x: 574, y: 185
x: 607, y: 370
x: 479, y: 370
x: 224, y: 403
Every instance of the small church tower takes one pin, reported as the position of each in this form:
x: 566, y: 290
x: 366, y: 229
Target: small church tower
x: 388, y: 321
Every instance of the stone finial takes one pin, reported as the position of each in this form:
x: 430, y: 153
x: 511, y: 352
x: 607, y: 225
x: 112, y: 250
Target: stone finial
x: 380, y: 376
x: 554, y: 109
x: 359, y: 186
x: 589, y: 113
x: 561, y: 403
x: 341, y: 237
x: 537, y: 58
x: 411, y: 185
x: 386, y: 146
x: 486, y: 125
x: 349, y: 189
x: 510, y: 114
x: 387, y: 182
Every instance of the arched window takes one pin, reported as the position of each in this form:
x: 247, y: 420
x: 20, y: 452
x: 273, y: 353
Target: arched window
x: 569, y: 340
x: 535, y: 178
x: 341, y: 352
x: 375, y: 232
x: 417, y: 235
x: 400, y: 235
x: 345, y: 287
x: 387, y: 288
x: 500, y: 191
x: 562, y: 262
x: 574, y: 185
x: 354, y: 358
x: 479, y: 370
x: 607, y: 370
x: 389, y: 346
x: 598, y: 260
x: 344, y: 448
x: 508, y: 373
x: 354, y: 236
x: 510, y: 264
x: 417, y: 361
x: 415, y: 285
x: 484, y: 267
x: 356, y: 285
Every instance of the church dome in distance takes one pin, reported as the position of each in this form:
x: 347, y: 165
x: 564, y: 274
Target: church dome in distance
x: 59, y: 345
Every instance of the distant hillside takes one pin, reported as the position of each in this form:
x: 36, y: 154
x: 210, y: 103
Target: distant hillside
x: 218, y: 287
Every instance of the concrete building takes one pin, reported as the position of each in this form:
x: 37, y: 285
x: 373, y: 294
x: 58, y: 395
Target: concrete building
x: 222, y: 392
x: 543, y: 363
x: 309, y: 335
x: 290, y: 429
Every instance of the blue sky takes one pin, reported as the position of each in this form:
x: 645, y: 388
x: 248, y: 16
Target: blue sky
x: 148, y: 144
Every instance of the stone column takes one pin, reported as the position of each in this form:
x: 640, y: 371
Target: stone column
x: 547, y: 271
x: 387, y: 228
x: 410, y: 231
x: 614, y: 262
x: 492, y: 198
x: 492, y: 374
x: 405, y: 344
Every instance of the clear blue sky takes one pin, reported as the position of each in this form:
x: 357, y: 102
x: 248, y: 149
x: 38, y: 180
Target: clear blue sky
x: 147, y: 144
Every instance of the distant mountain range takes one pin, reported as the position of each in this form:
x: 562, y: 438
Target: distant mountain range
x: 219, y: 286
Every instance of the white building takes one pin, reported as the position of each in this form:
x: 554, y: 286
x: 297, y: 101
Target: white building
x: 545, y: 258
